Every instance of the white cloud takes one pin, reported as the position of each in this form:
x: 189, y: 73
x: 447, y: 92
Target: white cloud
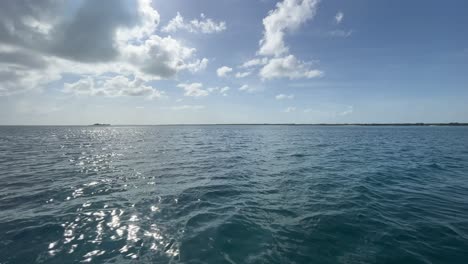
x: 247, y: 88
x: 223, y: 71
x: 204, y: 25
x: 288, y: 67
x: 254, y: 62
x: 339, y: 17
x: 48, y: 45
x: 220, y: 90
x: 284, y: 96
x: 244, y: 87
x: 112, y: 87
x: 224, y: 89
x: 162, y: 58
x: 287, y: 16
x: 243, y: 74
x: 290, y: 109
x: 193, y: 89
x: 148, y: 21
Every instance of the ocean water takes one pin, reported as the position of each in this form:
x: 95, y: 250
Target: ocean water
x: 233, y: 194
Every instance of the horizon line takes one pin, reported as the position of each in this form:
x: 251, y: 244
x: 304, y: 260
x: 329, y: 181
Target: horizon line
x: 264, y: 124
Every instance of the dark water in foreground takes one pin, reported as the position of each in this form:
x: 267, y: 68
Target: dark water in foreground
x: 234, y: 194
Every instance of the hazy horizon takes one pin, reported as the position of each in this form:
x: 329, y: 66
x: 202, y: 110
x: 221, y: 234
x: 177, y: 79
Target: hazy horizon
x: 223, y: 62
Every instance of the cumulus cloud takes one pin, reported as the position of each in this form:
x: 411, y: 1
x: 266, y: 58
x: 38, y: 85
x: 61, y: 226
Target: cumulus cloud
x: 339, y: 17
x: 202, y: 25
x: 162, y: 57
x: 193, y: 89
x: 284, y: 96
x: 223, y: 71
x: 38, y: 46
x: 288, y: 67
x: 112, y: 87
x: 287, y: 16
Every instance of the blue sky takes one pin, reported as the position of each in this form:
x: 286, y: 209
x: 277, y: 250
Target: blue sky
x: 171, y: 62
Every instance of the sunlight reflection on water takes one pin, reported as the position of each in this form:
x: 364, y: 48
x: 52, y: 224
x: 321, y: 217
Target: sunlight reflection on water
x: 243, y: 194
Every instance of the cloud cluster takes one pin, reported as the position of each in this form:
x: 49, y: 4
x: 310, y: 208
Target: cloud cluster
x: 38, y: 46
x: 112, y: 87
x: 204, y: 25
x: 197, y: 90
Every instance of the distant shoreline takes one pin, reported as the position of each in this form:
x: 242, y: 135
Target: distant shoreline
x: 266, y: 124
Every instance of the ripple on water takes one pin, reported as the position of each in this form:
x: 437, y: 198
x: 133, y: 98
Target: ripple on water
x: 236, y: 194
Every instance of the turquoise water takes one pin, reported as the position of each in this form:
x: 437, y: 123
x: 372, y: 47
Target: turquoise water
x: 233, y: 194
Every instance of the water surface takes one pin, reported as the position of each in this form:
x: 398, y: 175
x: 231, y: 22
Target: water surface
x: 234, y: 194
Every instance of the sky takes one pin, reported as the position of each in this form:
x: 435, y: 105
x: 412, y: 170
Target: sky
x: 232, y: 61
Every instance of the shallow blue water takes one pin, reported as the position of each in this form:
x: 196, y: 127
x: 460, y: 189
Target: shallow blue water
x: 234, y: 194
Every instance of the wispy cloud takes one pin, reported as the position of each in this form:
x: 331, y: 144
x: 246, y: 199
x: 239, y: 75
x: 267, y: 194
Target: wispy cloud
x: 284, y: 96
x: 185, y: 107
x: 247, y: 88
x: 202, y: 25
x: 243, y: 74
x: 254, y: 62
x: 340, y: 33
x: 339, y: 17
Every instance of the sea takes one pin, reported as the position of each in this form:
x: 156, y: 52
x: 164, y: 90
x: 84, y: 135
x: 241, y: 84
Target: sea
x: 233, y: 194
